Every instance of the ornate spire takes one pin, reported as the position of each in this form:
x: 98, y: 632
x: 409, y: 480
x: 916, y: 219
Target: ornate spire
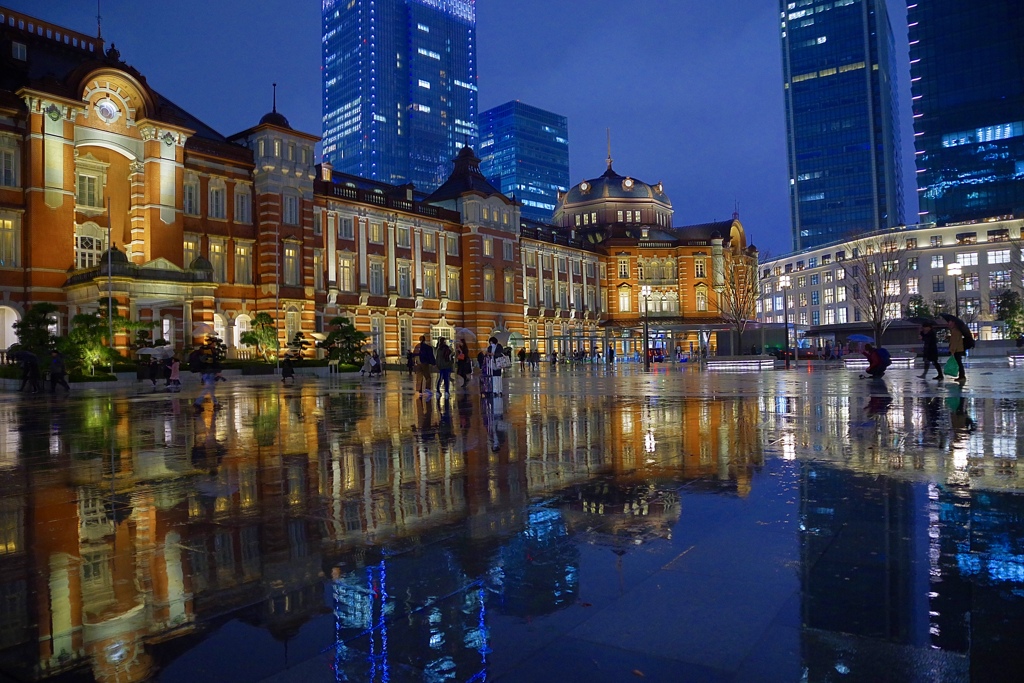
x: 274, y: 110
x: 608, y: 131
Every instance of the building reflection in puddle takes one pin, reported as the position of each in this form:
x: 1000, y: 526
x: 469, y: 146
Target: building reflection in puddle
x: 131, y: 528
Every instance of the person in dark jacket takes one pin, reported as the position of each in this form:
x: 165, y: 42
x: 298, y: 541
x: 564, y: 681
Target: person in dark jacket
x: 57, y: 372
x: 287, y: 371
x: 425, y: 355
x: 930, y: 351
x: 30, y: 372
x: 464, y: 366
x: 445, y: 365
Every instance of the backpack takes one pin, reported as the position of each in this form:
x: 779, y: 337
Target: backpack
x: 969, y: 341
x: 195, y: 361
x: 883, y: 354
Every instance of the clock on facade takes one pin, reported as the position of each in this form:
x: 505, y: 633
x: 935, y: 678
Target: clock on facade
x: 107, y: 110
x: 628, y: 183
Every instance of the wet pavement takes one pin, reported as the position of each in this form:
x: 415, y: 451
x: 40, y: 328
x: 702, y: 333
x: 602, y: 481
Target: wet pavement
x: 799, y: 525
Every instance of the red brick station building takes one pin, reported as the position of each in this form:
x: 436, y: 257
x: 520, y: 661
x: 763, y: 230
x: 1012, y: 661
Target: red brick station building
x: 208, y: 228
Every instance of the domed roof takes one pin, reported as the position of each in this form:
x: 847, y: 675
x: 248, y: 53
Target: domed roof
x: 275, y: 118
x: 200, y: 263
x: 611, y: 185
x: 115, y: 256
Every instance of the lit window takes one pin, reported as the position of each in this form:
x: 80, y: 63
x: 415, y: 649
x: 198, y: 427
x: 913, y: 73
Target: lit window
x: 454, y: 285
x: 452, y: 245
x: 488, y: 284
x: 346, y: 273
x: 190, y: 250
x: 90, y: 243
x: 8, y: 242
x: 429, y: 242
x: 430, y: 283
x: 488, y: 246
x: 702, y: 299
x: 318, y: 269
x: 376, y: 235
x: 291, y: 264
x: 510, y: 287
x: 243, y: 264
x: 217, y: 260
x: 700, y: 268
x: 376, y: 278
x: 88, y: 193
x: 623, y: 268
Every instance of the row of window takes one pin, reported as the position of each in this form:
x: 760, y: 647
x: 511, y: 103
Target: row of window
x: 546, y: 299
x: 549, y: 262
x: 377, y: 282
x: 659, y: 301
x: 660, y: 271
x: 216, y: 202
x: 892, y: 245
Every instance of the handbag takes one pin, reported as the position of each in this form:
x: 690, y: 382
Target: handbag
x: 503, y: 362
x: 951, y: 367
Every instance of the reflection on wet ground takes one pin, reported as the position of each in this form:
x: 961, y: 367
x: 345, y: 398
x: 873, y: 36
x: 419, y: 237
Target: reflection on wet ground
x: 682, y: 526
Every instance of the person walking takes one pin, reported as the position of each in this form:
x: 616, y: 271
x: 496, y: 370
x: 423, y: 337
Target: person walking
x: 957, y: 349
x: 287, y: 371
x: 29, y: 372
x: 154, y: 370
x: 57, y: 372
x: 174, y: 379
x: 492, y: 358
x: 410, y: 361
x: 463, y: 365
x: 522, y: 359
x: 209, y: 369
x: 426, y: 359
x: 445, y: 364
x: 930, y: 351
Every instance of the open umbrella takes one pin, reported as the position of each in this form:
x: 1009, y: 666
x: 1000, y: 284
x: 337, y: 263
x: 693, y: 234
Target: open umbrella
x: 502, y: 337
x: 319, y: 336
x: 861, y: 338
x: 157, y: 352
x: 960, y: 324
x: 465, y: 333
x: 921, y: 320
x: 22, y: 356
x: 199, y: 329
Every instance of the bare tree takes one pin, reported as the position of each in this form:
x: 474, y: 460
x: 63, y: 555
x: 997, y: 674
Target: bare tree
x: 876, y: 273
x: 737, y: 295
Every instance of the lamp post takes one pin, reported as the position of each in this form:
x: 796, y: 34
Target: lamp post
x: 953, y: 270
x: 784, y: 282
x: 645, y: 292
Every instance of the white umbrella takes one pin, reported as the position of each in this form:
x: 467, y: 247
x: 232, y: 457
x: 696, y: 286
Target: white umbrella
x: 200, y: 329
x: 157, y: 352
x: 319, y: 336
x: 465, y: 333
x: 502, y: 337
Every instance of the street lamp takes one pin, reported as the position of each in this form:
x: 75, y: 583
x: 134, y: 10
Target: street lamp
x: 784, y: 282
x: 645, y: 292
x: 953, y: 270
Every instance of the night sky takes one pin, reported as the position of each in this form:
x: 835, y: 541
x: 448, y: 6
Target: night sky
x: 692, y: 91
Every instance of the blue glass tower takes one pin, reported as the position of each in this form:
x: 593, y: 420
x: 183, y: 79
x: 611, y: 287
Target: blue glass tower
x: 399, y: 87
x: 967, y: 81
x: 842, y: 119
x: 525, y: 151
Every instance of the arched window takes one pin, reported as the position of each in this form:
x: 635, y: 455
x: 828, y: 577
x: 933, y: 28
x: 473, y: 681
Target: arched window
x: 292, y: 323
x: 702, y: 299
x: 220, y: 327
x: 167, y: 329
x: 625, y: 299
x: 8, y: 316
x: 243, y: 323
x: 90, y: 243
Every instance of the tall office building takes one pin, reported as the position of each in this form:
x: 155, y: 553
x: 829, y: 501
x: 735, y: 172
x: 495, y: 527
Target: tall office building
x: 967, y: 80
x: 524, y: 151
x: 842, y: 119
x: 399, y: 87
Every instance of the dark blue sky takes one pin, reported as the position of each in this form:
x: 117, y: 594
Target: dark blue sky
x: 692, y: 91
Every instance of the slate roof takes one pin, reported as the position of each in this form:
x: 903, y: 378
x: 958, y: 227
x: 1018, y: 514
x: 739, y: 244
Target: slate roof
x: 466, y: 178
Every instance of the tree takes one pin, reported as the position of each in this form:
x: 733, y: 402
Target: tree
x: 344, y: 342
x: 87, y: 343
x: 917, y: 307
x: 298, y: 345
x: 262, y: 335
x: 34, y: 329
x: 218, y: 349
x: 875, y: 272
x: 737, y: 299
x: 1010, y: 309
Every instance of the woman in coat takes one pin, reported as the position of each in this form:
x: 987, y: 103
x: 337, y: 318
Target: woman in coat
x: 493, y: 370
x: 957, y: 349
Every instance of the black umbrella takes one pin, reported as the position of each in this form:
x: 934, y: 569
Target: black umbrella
x: 921, y: 320
x: 22, y: 356
x: 960, y: 324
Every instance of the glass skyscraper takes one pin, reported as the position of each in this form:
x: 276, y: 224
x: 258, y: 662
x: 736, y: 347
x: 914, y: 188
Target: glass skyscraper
x: 524, y: 151
x: 399, y: 87
x: 967, y: 81
x: 842, y: 119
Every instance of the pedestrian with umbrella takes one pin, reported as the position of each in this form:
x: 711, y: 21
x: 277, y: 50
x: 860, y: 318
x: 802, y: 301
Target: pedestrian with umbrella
x: 930, y: 351
x: 960, y: 340
x: 29, y: 369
